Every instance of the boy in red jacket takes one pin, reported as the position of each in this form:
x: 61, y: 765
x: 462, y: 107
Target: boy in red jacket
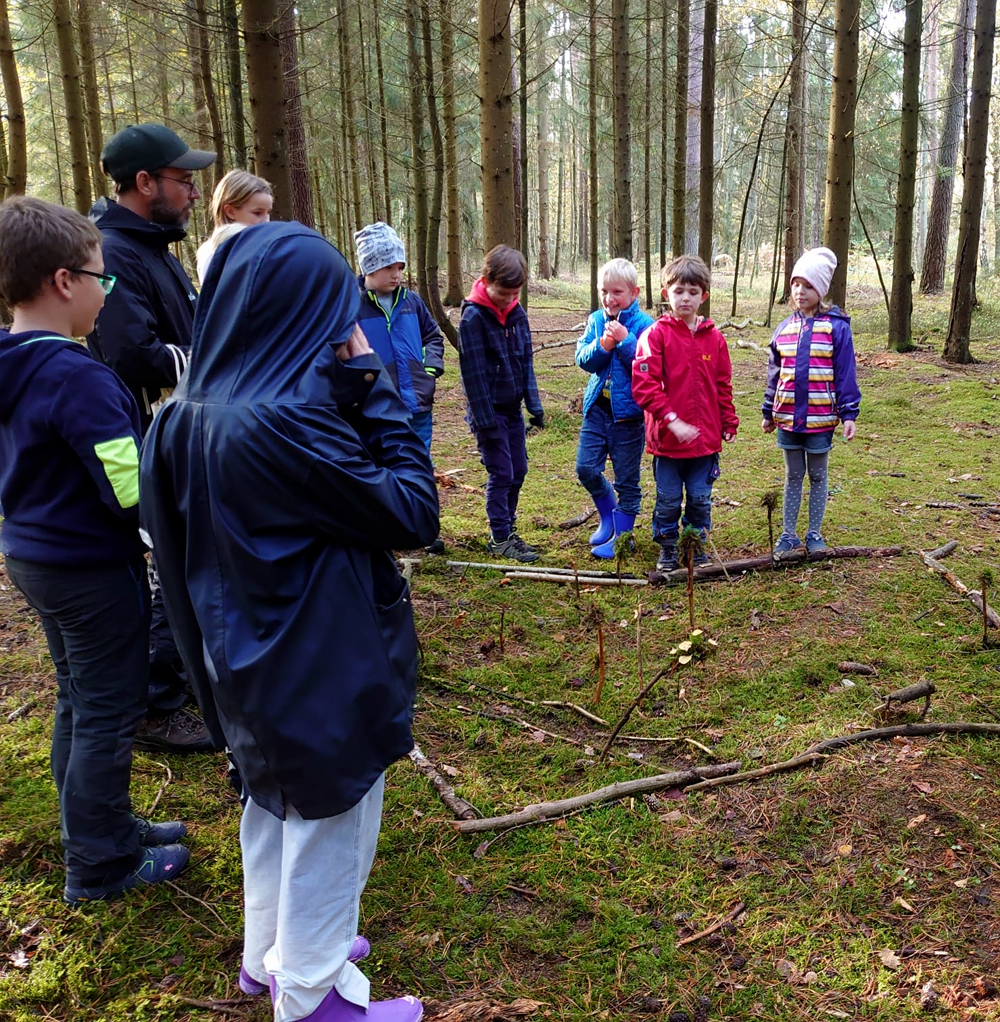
x: 682, y: 379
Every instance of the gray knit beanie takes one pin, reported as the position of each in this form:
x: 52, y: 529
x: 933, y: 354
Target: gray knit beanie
x: 378, y: 245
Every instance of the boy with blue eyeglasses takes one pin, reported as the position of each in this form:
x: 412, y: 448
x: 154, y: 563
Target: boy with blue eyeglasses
x: 69, y: 485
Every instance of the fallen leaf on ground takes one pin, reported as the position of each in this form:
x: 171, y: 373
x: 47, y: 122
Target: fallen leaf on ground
x: 916, y: 821
x: 927, y: 789
x: 889, y: 959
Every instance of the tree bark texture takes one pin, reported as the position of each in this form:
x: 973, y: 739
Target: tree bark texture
x: 592, y: 150
x: 267, y: 101
x: 348, y: 112
x: 234, y: 82
x: 383, y: 117
x: 91, y: 94
x: 621, y: 244
x: 796, y: 146
x: 76, y: 119
x: 901, y: 300
x: 692, y: 158
x: 16, y: 177
x: 298, y: 150
x: 706, y: 196
x: 956, y: 345
x: 939, y: 219
x: 840, y: 155
x: 680, y: 125
x: 453, y: 247
x: 418, y: 160
x: 211, y: 100
x: 544, y: 153
x: 647, y: 214
x: 496, y: 123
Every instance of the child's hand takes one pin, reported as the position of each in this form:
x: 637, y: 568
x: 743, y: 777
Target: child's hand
x: 729, y: 437
x: 607, y: 341
x: 768, y: 426
x: 356, y: 344
x: 616, y: 330
x: 849, y: 429
x: 684, y: 432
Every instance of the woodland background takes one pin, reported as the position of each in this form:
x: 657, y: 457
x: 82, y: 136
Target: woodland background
x: 644, y: 128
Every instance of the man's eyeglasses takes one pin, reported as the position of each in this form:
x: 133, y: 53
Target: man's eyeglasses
x: 189, y: 184
x: 106, y: 279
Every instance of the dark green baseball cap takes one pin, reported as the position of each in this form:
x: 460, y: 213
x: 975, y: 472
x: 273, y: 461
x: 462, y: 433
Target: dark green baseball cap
x: 150, y: 147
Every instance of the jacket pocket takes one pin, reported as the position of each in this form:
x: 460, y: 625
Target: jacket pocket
x: 423, y: 385
x: 394, y: 613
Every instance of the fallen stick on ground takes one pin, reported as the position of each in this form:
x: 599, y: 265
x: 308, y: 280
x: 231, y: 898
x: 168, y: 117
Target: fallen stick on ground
x: 578, y: 520
x: 820, y: 750
x: 767, y: 562
x: 558, y: 704
x: 21, y: 710
x: 570, y: 573
x: 851, y: 667
x: 622, y: 789
x: 632, y: 706
x: 461, y: 809
x: 972, y: 595
x: 727, y: 918
x: 943, y: 551
x: 922, y: 690
x: 587, y: 580
x: 670, y: 740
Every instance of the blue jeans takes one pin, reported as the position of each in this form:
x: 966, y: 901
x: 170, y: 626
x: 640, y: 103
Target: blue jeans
x: 600, y: 438
x: 96, y: 623
x: 503, y: 453
x: 673, y: 476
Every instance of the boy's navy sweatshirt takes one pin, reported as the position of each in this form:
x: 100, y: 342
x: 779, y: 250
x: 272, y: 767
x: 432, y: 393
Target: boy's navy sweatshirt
x: 69, y: 450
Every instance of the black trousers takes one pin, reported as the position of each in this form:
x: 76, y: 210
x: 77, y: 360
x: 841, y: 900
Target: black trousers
x: 96, y: 623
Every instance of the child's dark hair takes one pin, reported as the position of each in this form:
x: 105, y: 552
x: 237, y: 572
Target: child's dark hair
x: 687, y: 269
x: 36, y: 239
x: 505, y: 266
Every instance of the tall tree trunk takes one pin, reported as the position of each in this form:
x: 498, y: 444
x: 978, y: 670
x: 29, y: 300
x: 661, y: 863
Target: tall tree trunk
x: 592, y: 151
x: 267, y: 101
x: 692, y: 176
x: 706, y: 196
x: 956, y: 345
x: 91, y: 94
x: 561, y: 170
x: 840, y: 155
x: 234, y: 81
x: 418, y: 251
x: 298, y: 154
x: 16, y: 177
x: 453, y: 208
x: 496, y: 124
x: 211, y: 101
x: 939, y: 219
x: 680, y: 125
x: 373, y: 178
x: 349, y: 107
x: 198, y: 226
x: 901, y: 300
x: 621, y: 243
x: 929, y: 101
x: 795, y: 133
x: 521, y: 191
x: 383, y: 119
x: 76, y: 120
x: 664, y: 100
x: 647, y: 224
x: 437, y: 191
x: 542, y: 125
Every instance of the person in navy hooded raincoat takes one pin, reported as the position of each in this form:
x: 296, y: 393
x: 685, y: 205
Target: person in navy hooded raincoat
x: 273, y: 487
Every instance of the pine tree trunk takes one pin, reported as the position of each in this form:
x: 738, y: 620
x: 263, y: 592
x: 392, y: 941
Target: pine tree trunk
x: 560, y: 171
x: 621, y: 244
x: 234, y: 81
x: 521, y: 192
x: 956, y: 345
x: 795, y: 133
x: 840, y: 155
x: 453, y: 208
x: 664, y: 107
x: 692, y: 160
x: 298, y: 153
x: 360, y: 43
x: 680, y: 125
x: 939, y: 219
x: 901, y: 300
x: 50, y: 92
x: 544, y: 156
x: 647, y: 225
x: 267, y: 101
x: 593, y: 225
x: 76, y: 119
x: 199, y: 215
x: 929, y: 101
x: 91, y: 95
x: 418, y: 167
x: 496, y: 124
x: 383, y: 119
x: 348, y: 107
x: 16, y: 177
x: 211, y: 102
x: 706, y: 194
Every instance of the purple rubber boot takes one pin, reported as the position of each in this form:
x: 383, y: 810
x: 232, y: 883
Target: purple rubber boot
x: 359, y: 949
x: 333, y: 1008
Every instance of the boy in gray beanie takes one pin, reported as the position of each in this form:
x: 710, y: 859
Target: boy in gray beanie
x: 399, y: 328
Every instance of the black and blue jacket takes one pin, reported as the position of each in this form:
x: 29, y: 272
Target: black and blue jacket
x: 408, y: 341
x: 69, y: 455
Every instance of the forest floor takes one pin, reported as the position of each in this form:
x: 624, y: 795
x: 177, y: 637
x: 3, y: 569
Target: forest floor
x: 867, y: 882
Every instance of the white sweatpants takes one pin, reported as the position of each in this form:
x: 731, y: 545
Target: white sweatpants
x: 302, y: 884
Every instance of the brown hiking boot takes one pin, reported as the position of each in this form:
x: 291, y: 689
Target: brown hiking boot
x: 179, y: 731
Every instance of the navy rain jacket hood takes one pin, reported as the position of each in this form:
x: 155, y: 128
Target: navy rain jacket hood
x: 274, y: 485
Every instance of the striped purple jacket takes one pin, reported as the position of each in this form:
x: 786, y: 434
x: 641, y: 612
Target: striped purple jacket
x: 812, y: 383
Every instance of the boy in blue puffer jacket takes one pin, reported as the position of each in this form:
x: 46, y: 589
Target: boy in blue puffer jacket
x: 612, y: 421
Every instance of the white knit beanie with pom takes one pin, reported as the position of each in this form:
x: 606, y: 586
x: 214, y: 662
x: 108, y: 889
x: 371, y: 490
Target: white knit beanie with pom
x: 816, y: 266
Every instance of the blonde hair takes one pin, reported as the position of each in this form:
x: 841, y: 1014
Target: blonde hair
x: 621, y: 270
x: 237, y: 188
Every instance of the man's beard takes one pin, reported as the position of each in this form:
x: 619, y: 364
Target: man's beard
x: 161, y: 212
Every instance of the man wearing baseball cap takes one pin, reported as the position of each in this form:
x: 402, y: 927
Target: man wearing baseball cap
x: 144, y: 334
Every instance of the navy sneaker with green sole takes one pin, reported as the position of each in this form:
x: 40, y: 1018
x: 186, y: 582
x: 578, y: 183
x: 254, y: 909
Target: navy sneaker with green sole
x: 160, y: 863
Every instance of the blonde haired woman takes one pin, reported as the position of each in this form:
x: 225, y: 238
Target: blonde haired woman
x: 240, y: 199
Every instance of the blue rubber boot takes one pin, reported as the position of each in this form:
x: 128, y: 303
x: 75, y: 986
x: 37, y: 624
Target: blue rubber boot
x: 605, y: 507
x: 622, y: 523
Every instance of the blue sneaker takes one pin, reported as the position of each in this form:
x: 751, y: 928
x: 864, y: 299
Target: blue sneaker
x: 815, y: 542
x: 160, y: 863
x: 152, y: 834
x: 787, y: 544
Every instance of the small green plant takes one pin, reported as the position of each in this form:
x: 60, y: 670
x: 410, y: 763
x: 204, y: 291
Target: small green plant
x: 986, y: 582
x: 770, y: 502
x: 623, y: 547
x: 689, y: 546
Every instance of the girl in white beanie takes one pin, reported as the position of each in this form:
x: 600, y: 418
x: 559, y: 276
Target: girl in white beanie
x: 811, y: 386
